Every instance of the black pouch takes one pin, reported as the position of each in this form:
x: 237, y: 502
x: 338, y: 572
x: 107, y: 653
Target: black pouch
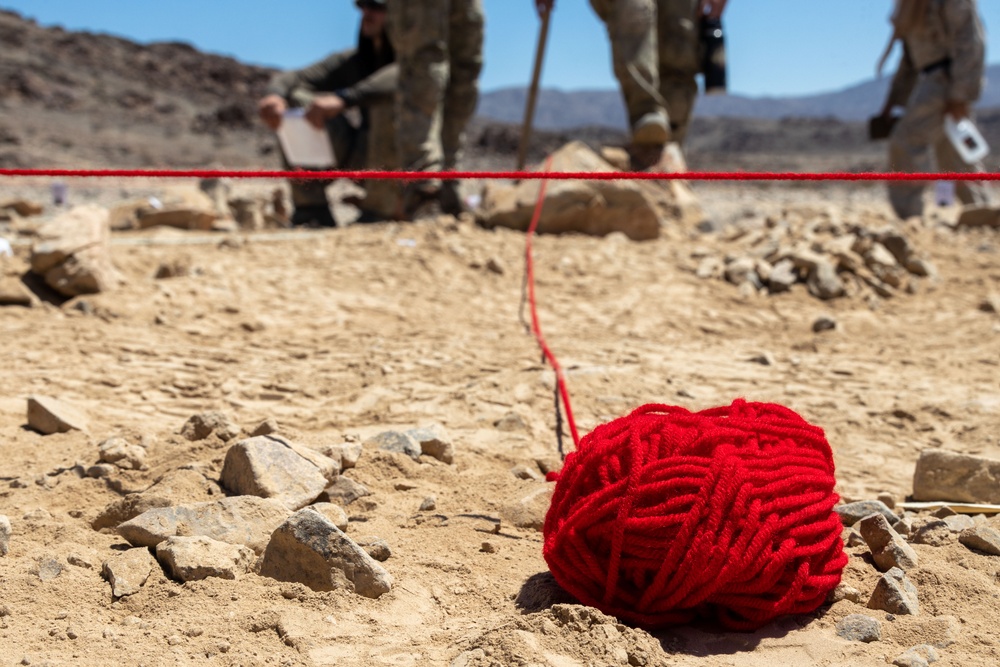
x: 880, y: 127
x: 713, y: 63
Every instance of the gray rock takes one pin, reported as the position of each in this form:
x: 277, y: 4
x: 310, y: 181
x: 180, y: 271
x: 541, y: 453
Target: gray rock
x: 930, y: 531
x: 429, y: 504
x: 947, y: 476
x: 783, y: 276
x: 376, y: 547
x: 824, y: 323
x: 959, y: 522
x: 5, y: 532
x: 895, y: 594
x: 200, y: 426
x: 48, y: 415
x: 889, y: 550
x: 859, y: 628
x: 177, y: 487
x: 309, y: 549
x: 48, y: 569
x: 823, y: 281
x: 851, y: 513
x: 128, y: 571
x: 918, y: 656
x: 200, y: 557
x: 904, y: 526
x: 395, y: 441
x: 127, y: 508
x: 122, y: 453
x: 335, y: 513
x: 434, y: 442
x: 241, y: 520
x: 268, y: 467
x: 344, y: 491
x: 266, y: 427
x: 982, y: 538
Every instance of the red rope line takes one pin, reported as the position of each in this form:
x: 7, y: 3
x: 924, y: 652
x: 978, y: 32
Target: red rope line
x: 513, y: 175
x: 536, y: 327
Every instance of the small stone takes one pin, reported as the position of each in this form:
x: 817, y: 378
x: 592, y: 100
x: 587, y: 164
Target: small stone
x: 494, y: 265
x: 48, y: 416
x: 845, y: 592
x: 851, y: 513
x: 434, y: 443
x: 524, y: 472
x: 344, y: 491
x: 122, y: 453
x: 859, y: 628
x: 548, y: 464
x: 981, y: 538
x: 510, y: 422
x: 266, y: 427
x: 888, y: 500
x: 79, y: 561
x: 889, y: 550
x: 127, y: 572
x: 783, y: 276
x: 100, y: 471
x: 429, y: 504
x: 335, y: 513
x: 200, y: 426
x: 488, y: 548
x: 199, y: 557
x: 49, y: 568
x: 959, y: 522
x: 824, y: 323
x: 395, y: 441
x: 932, y: 532
x: 823, y: 281
x: 851, y: 537
x: 918, y: 656
x: 895, y: 594
x: 376, y: 547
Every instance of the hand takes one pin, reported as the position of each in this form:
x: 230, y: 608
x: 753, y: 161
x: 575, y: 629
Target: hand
x: 323, y: 108
x: 544, y: 6
x: 957, y: 110
x: 714, y: 8
x: 271, y: 110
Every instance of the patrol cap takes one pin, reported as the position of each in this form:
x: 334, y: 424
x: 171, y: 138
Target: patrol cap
x: 370, y: 4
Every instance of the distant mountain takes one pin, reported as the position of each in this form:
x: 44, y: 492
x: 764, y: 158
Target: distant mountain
x: 559, y: 110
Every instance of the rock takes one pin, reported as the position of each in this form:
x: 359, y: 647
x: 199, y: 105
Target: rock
x: 5, y: 532
x: 990, y: 304
x: 889, y: 550
x: 309, y: 549
x: 981, y: 538
x: 48, y: 569
x: 205, y: 424
x: 742, y: 270
x: 596, y: 208
x: 128, y: 571
x: 845, y: 592
x: 22, y: 207
x: 888, y: 500
x: 434, y: 442
x: 395, y: 441
x: 268, y: 467
x: 851, y: 537
x: 177, y: 487
x: 979, y: 216
x: 74, y: 253
x: 344, y: 491
x: 14, y: 293
x: 335, y: 513
x: 823, y: 281
x: 123, y: 454
x: 918, y: 656
x: 782, y: 277
x: 851, y: 513
x: 48, y: 415
x: 529, y: 512
x: 248, y: 213
x: 524, y: 472
x: 180, y: 218
x: 824, y: 323
x: 429, y: 504
x: 929, y: 531
x: 241, y: 520
x: 959, y: 522
x: 895, y: 594
x: 376, y: 547
x: 127, y: 508
x: 859, y: 628
x: 954, y: 477
x: 511, y: 422
x: 347, y: 453
x: 266, y: 427
x: 200, y: 557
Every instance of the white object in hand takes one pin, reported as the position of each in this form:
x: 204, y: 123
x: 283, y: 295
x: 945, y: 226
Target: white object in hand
x: 965, y: 137
x: 5, y: 249
x: 303, y: 144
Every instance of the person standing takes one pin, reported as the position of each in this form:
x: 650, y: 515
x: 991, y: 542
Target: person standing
x: 364, y: 78
x: 439, y: 47
x: 941, y: 73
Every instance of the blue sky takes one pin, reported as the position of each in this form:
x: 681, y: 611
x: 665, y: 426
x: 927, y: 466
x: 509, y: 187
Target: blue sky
x: 776, y: 47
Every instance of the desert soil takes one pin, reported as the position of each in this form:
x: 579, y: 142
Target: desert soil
x: 369, y: 328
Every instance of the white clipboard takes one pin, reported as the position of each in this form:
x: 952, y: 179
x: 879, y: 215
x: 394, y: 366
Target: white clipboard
x: 304, y: 145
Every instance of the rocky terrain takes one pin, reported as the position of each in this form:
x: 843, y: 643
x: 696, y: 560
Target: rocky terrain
x: 226, y: 442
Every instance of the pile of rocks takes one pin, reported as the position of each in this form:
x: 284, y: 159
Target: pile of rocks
x: 831, y: 257
x: 878, y: 532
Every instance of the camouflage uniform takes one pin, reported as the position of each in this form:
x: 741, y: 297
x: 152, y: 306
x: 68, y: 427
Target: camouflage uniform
x: 656, y: 50
x: 439, y: 46
x: 365, y: 80
x: 943, y: 60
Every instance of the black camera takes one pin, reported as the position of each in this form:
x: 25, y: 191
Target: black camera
x: 713, y: 63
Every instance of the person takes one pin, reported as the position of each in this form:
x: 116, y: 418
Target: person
x: 941, y: 72
x: 657, y: 52
x: 364, y: 78
x: 439, y: 47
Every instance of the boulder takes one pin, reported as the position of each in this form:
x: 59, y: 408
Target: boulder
x: 241, y: 520
x: 48, y: 415
x: 310, y: 550
x: 268, y: 467
x: 73, y: 255
x: 942, y: 475
x: 598, y: 208
x: 200, y: 557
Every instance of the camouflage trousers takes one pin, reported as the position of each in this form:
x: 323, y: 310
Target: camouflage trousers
x: 919, y: 132
x: 656, y: 50
x: 439, y: 48
x: 357, y: 147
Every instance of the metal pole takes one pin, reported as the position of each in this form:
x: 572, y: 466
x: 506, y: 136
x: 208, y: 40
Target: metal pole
x: 529, y: 110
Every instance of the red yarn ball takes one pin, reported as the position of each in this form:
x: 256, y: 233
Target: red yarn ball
x: 666, y: 515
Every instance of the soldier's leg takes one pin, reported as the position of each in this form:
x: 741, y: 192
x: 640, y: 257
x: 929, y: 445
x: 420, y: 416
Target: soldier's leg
x: 381, y: 196
x: 920, y: 128
x: 680, y: 52
x: 419, y: 33
x: 462, y: 96
x: 312, y: 207
x: 631, y: 28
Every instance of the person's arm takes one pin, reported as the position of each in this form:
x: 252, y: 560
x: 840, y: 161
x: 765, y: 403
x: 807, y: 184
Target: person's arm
x: 544, y: 6
x: 968, y: 55
x: 379, y: 87
x: 903, y: 83
x: 300, y: 87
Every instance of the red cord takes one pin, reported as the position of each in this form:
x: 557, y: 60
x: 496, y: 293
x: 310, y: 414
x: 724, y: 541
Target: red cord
x: 536, y: 326
x: 513, y: 175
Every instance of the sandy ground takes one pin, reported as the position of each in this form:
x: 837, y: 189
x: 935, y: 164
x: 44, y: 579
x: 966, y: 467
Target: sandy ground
x: 363, y: 329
